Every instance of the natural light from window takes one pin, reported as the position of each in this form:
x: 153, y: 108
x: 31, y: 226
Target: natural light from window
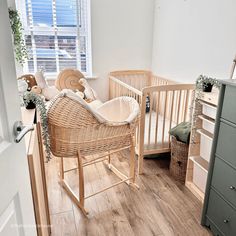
x: 57, y: 35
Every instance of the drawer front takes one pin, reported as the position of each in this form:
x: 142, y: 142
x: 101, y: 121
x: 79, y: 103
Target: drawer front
x: 224, y: 180
x: 226, y: 144
x: 205, y: 147
x: 199, y: 175
x: 208, y: 126
x: 209, y: 110
x: 211, y: 98
x: 229, y: 104
x: 222, y: 214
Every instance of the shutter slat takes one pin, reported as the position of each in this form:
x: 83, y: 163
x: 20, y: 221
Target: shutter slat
x: 56, y: 34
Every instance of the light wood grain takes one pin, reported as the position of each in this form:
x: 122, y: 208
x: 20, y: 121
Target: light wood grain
x: 37, y: 185
x: 63, y: 224
x: 69, y: 79
x: 35, y: 155
x: 141, y: 84
x: 210, y: 100
x: 160, y: 207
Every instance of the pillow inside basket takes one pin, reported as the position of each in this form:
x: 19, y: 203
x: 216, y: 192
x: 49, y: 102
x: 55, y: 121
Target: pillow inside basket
x: 182, y: 132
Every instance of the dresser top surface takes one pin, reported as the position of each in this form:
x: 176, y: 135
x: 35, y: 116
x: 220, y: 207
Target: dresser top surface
x: 231, y: 82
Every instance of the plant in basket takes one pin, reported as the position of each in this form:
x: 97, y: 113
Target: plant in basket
x: 205, y: 83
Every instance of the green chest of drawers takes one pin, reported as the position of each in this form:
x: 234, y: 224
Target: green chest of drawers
x: 219, y: 211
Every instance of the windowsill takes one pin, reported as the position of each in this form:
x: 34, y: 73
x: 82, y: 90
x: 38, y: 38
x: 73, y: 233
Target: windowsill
x: 54, y: 77
x: 92, y: 77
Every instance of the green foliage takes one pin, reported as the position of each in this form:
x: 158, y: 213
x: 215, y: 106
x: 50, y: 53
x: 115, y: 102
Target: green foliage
x: 39, y: 103
x: 203, y: 80
x: 19, y: 44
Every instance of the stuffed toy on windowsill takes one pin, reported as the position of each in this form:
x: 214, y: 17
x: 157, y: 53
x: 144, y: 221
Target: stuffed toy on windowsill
x: 49, y: 92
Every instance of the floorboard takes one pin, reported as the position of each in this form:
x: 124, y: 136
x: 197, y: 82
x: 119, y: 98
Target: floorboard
x: 161, y: 207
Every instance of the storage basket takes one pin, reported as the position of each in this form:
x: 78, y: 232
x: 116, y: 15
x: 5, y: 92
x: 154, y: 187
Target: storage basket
x: 179, y: 158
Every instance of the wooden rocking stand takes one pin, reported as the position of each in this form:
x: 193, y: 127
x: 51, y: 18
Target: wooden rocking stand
x: 79, y: 201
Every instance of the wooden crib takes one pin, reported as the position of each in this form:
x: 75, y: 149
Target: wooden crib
x: 169, y: 105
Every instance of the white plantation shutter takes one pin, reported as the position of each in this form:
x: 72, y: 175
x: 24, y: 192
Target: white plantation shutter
x: 57, y: 34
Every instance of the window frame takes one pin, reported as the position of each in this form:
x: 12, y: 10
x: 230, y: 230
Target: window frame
x: 59, y: 31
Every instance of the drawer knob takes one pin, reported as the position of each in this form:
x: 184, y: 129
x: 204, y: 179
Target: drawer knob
x: 232, y: 188
x: 226, y: 221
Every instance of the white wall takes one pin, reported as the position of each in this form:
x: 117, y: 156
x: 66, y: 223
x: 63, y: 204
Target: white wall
x: 121, y: 38
x: 193, y: 37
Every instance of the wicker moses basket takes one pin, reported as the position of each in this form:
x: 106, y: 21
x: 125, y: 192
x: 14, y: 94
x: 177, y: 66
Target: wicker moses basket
x: 78, y: 131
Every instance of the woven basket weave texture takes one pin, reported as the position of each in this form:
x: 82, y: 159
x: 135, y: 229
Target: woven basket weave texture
x: 179, y: 158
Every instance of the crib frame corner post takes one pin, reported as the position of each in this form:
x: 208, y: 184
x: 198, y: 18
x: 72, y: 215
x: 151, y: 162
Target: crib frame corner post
x: 141, y: 133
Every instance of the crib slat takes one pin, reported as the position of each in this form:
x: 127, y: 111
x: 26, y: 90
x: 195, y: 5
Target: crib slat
x: 183, y: 105
x: 164, y: 118
x: 140, y: 84
x: 157, y: 116
x: 136, y: 84
x: 179, y: 103
x: 171, y: 112
x: 114, y: 87
x: 116, y: 91
x: 141, y: 132
x: 150, y: 117
x: 186, y: 105
x: 110, y: 88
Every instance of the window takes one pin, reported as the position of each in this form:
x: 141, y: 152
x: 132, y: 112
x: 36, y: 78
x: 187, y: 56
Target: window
x: 57, y: 34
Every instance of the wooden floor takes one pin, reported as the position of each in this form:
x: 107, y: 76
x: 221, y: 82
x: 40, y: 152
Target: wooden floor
x: 161, y: 206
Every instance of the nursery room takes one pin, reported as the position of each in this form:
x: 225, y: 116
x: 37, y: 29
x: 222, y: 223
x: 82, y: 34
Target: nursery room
x: 117, y: 118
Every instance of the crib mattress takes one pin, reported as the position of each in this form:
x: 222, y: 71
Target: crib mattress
x: 156, y: 140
